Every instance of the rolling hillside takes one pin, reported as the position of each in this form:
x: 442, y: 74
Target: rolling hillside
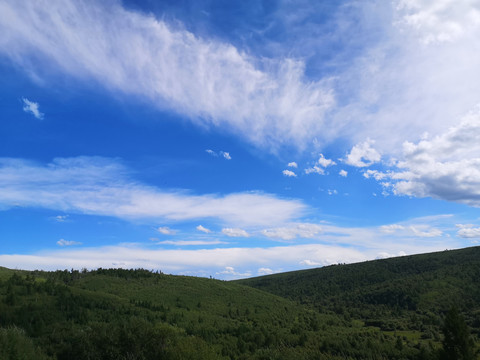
x: 407, y: 295
x: 385, y: 309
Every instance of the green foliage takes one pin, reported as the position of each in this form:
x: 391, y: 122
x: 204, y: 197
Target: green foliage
x: 388, y: 309
x: 457, y: 342
x: 15, y: 345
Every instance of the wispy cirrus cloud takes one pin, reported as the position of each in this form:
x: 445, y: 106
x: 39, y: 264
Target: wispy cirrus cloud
x: 415, y: 77
x: 266, y: 101
x: 102, y: 186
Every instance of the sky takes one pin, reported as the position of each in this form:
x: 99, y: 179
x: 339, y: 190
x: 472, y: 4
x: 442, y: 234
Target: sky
x: 235, y: 139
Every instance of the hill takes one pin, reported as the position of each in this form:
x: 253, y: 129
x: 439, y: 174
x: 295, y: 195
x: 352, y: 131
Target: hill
x: 376, y: 310
x: 407, y: 295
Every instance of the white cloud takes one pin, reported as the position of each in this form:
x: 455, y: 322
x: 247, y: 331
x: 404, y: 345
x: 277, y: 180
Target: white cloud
x: 343, y: 173
x: 426, y: 232
x: 310, y: 263
x: 323, y: 162
x: 293, y: 231
x: 190, y: 242
x: 390, y: 229
x: 338, y: 245
x: 101, y: 186
x: 230, y: 271
x: 415, y: 77
x: 468, y: 231
x: 289, y: 173
x: 292, y: 164
x: 63, y: 242
x: 165, y: 230
x: 265, y: 271
x: 315, y: 169
x: 211, y: 152
x: 235, y: 232
x: 226, y: 155
x: 446, y: 167
x: 320, y: 165
x: 32, y: 108
x: 332, y: 192
x: 203, y: 229
x: 61, y: 218
x: 266, y: 101
x: 363, y: 155
x: 439, y: 21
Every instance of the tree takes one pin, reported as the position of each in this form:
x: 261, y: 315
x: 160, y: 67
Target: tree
x: 457, y: 342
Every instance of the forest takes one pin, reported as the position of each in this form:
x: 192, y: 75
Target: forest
x: 412, y: 307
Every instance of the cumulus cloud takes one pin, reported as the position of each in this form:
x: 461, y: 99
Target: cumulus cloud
x: 235, y: 232
x: 363, y: 155
x: 320, y: 165
x: 211, y: 152
x: 213, y: 83
x: 289, y: 173
x: 292, y: 164
x: 165, y: 230
x: 445, y: 167
x: 102, y: 186
x: 63, y: 242
x: 203, y: 229
x: 32, y: 108
x: 343, y: 173
x: 302, y: 230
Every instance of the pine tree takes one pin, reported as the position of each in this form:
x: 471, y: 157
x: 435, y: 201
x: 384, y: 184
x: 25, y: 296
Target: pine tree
x: 457, y: 342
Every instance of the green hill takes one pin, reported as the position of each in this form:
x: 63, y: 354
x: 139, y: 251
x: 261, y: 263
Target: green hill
x: 407, y: 295
x: 385, y: 309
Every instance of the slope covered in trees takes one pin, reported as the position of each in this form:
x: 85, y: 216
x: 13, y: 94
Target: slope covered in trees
x: 375, y: 310
x: 407, y: 295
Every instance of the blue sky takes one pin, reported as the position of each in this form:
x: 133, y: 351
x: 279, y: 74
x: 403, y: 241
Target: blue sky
x: 235, y: 139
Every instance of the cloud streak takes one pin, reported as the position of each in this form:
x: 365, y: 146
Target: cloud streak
x: 211, y: 82
x: 101, y: 186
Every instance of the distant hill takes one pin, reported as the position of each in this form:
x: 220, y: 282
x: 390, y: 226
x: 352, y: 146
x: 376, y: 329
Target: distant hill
x: 385, y: 309
x: 407, y: 295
